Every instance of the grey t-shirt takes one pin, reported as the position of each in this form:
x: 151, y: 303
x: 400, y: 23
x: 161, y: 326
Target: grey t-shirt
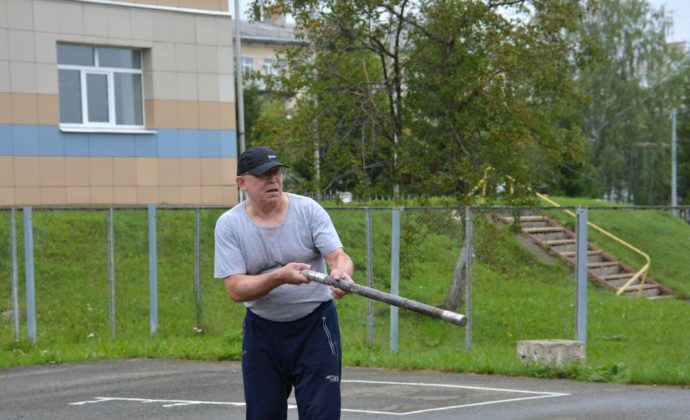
x: 306, y: 235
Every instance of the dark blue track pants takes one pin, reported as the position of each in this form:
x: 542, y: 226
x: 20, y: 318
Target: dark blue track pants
x: 279, y: 355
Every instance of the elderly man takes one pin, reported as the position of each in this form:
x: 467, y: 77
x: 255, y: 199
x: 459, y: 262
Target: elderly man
x: 291, y: 332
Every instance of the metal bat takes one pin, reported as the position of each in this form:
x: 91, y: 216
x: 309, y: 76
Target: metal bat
x: 394, y: 300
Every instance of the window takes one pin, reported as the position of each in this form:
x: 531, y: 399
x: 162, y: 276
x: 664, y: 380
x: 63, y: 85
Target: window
x: 100, y: 87
x: 247, y: 64
x: 267, y: 68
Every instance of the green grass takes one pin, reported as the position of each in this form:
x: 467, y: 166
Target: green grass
x: 516, y: 296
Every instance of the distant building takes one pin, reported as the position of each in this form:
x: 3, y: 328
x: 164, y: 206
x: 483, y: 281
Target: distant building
x: 117, y: 102
x: 261, y: 41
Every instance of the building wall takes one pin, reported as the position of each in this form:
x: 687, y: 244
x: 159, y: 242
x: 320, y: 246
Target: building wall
x: 186, y: 155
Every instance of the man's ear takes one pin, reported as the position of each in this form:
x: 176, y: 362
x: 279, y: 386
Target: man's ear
x: 240, y: 182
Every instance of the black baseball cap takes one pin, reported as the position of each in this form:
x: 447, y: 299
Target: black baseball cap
x: 258, y: 160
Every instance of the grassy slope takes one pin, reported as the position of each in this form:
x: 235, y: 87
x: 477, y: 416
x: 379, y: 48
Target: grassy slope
x: 515, y: 296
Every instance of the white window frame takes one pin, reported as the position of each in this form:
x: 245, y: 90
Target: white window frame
x: 111, y: 126
x: 247, y: 64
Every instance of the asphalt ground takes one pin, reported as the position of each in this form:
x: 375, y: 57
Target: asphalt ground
x: 173, y: 389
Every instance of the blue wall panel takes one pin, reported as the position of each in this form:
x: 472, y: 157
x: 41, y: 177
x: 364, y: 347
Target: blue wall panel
x: 36, y: 140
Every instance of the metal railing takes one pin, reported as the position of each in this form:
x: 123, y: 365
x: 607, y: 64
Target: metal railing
x: 640, y: 274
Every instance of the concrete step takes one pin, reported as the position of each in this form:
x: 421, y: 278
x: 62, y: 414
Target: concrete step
x: 604, y: 268
x: 648, y: 290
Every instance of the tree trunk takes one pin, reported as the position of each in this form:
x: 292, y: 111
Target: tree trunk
x: 454, y: 298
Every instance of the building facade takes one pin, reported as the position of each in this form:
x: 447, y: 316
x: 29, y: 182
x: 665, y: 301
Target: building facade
x: 117, y: 103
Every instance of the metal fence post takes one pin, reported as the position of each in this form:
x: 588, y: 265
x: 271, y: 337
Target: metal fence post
x: 111, y: 273
x: 370, y: 263
x: 29, y: 274
x: 469, y: 239
x: 15, y: 276
x: 581, y: 274
x: 153, y: 271
x: 395, y: 277
x: 197, y: 264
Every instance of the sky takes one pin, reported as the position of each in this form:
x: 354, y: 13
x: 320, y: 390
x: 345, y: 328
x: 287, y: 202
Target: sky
x: 680, y: 11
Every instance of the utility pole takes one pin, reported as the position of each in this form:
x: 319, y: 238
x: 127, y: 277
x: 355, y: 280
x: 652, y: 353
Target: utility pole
x: 674, y: 161
x: 239, y: 90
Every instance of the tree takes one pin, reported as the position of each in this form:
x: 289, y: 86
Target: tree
x: 423, y: 95
x: 632, y: 89
x: 485, y: 90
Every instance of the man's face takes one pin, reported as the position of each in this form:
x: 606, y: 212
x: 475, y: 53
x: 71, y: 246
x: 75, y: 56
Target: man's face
x: 265, y: 187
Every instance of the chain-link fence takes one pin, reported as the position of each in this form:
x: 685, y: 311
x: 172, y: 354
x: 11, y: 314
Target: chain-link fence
x: 517, y: 283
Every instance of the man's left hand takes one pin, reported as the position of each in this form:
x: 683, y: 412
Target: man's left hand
x: 336, y: 292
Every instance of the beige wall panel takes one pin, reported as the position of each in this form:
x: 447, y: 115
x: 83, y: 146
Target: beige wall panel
x: 27, y: 171
x: 228, y: 168
x: 118, y: 22
x: 212, y: 195
x: 190, y: 195
x: 163, y: 57
x: 46, y: 79
x: 209, y: 115
x: 125, y: 172
x: 185, y: 28
x: 226, y: 88
x: 5, y: 108
x: 165, y: 114
x: 22, y: 77
x: 77, y: 172
x: 22, y: 45
x: 227, y: 115
x: 53, y: 195
x: 187, y: 115
x: 102, y: 195
x: 101, y: 172
x: 190, y: 171
x: 46, y: 48
x: 163, y: 26
x: 211, y: 172
x: 4, y: 45
x: 208, y: 87
x: 150, y: 120
x: 185, y: 57
x: 24, y: 109
x: 52, y: 171
x: 22, y: 14
x: 125, y: 195
x: 147, y: 195
x: 70, y: 18
x: 45, y: 13
x: 147, y: 172
x: 224, y: 30
x: 77, y: 195
x: 4, y: 74
x: 141, y: 22
x: 206, y: 30
x: 169, y: 171
x: 206, y: 59
x: 96, y: 19
x: 187, y: 87
x: 7, y: 196
x: 226, y: 61
x: 27, y: 196
x: 6, y: 171
x: 164, y: 86
x: 48, y: 109
x: 169, y: 194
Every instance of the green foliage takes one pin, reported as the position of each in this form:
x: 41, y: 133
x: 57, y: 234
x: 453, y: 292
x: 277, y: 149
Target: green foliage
x: 632, y: 88
x: 417, y: 99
